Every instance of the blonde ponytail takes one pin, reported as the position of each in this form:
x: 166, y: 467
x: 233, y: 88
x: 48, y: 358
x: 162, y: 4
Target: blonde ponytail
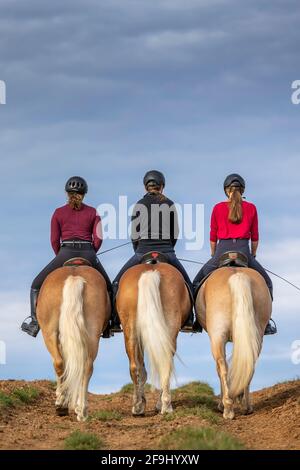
x: 235, y: 205
x: 75, y: 200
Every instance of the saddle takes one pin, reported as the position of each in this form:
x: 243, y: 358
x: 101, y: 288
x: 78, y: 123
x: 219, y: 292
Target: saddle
x: 154, y: 257
x: 75, y: 262
x: 233, y: 258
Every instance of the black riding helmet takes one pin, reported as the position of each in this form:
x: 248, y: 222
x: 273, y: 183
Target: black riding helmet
x: 234, y: 180
x: 154, y: 176
x: 76, y: 184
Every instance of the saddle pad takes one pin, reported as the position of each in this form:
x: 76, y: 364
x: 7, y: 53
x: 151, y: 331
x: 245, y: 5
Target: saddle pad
x: 77, y: 262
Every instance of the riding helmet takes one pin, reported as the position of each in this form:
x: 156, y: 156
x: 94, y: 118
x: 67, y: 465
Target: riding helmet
x: 155, y: 177
x: 234, y: 180
x: 76, y: 184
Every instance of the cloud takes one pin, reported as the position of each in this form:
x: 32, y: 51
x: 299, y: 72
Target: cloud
x: 111, y: 89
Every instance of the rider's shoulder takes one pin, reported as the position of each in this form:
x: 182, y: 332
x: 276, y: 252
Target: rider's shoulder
x: 220, y: 205
x: 249, y: 204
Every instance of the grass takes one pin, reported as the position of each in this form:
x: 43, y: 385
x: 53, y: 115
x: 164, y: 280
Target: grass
x: 106, y: 415
x: 200, y: 411
x: 83, y: 441
x: 192, y: 438
x: 196, y: 394
x: 27, y: 394
x: 22, y: 395
x: 6, y: 401
x: 128, y: 388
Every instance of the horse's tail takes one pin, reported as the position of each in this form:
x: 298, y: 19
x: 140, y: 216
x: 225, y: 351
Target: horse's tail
x: 73, y: 338
x: 152, y: 329
x: 246, y: 337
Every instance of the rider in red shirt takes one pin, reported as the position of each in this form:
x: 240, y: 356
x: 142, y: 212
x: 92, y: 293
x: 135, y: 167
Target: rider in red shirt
x: 233, y: 224
x: 75, y: 232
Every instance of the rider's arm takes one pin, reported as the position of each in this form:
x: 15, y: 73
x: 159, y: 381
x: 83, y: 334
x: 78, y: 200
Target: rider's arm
x: 254, y: 233
x: 174, y: 226
x: 135, y: 227
x: 55, y: 233
x: 213, y: 232
x: 97, y: 233
x: 213, y: 247
x: 254, y: 246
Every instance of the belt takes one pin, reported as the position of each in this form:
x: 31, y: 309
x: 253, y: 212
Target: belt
x: 234, y: 240
x: 76, y: 243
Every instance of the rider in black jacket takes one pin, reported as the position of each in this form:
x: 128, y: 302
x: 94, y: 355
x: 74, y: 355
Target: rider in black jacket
x: 154, y: 227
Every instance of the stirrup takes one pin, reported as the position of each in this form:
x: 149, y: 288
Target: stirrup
x: 188, y: 326
x: 116, y: 329
x: 31, y: 328
x: 270, y: 329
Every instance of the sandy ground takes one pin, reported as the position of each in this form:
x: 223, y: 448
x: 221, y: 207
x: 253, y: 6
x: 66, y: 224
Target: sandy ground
x: 275, y: 423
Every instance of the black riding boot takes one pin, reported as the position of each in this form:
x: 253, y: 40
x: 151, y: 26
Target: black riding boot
x: 191, y: 325
x: 271, y: 329
x: 115, y: 326
x: 32, y: 328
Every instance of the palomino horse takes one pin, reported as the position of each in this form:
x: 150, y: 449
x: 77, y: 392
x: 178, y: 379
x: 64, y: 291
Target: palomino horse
x: 73, y: 310
x: 234, y: 304
x: 153, y: 303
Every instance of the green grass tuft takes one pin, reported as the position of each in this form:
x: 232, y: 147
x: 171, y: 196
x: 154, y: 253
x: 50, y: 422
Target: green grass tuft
x: 196, y: 394
x: 200, y: 411
x: 106, y: 415
x: 27, y: 394
x: 128, y: 388
x: 192, y: 438
x: 6, y: 401
x: 83, y: 441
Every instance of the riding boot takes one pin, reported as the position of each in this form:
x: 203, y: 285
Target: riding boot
x: 32, y: 328
x: 115, y: 325
x: 271, y: 329
x: 191, y: 325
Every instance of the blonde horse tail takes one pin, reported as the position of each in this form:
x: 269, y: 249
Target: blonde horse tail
x: 152, y: 330
x: 246, y: 337
x: 73, y: 339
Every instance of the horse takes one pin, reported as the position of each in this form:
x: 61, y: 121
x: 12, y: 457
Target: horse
x: 73, y: 310
x: 234, y: 304
x: 153, y: 303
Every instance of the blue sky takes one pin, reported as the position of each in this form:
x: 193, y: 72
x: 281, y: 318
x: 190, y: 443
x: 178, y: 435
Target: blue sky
x: 110, y: 89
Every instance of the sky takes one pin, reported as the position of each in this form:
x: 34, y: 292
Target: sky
x: 110, y: 89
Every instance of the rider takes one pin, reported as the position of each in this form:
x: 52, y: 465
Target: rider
x: 154, y: 227
x: 75, y: 232
x: 233, y: 223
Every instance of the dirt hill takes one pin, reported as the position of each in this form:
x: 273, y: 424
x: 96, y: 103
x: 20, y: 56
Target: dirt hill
x: 28, y: 420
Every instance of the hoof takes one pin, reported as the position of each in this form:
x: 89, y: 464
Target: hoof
x: 167, y: 410
x: 137, y: 412
x: 61, y: 411
x: 81, y: 419
x: 248, y: 411
x: 228, y: 415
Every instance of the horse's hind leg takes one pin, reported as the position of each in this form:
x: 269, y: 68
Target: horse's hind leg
x: 246, y: 402
x: 138, y: 375
x: 61, y: 404
x: 218, y: 351
x: 81, y: 406
x: 165, y: 398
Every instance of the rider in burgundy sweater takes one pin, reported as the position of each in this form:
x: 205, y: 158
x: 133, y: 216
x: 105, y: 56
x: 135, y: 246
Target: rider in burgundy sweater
x: 75, y: 232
